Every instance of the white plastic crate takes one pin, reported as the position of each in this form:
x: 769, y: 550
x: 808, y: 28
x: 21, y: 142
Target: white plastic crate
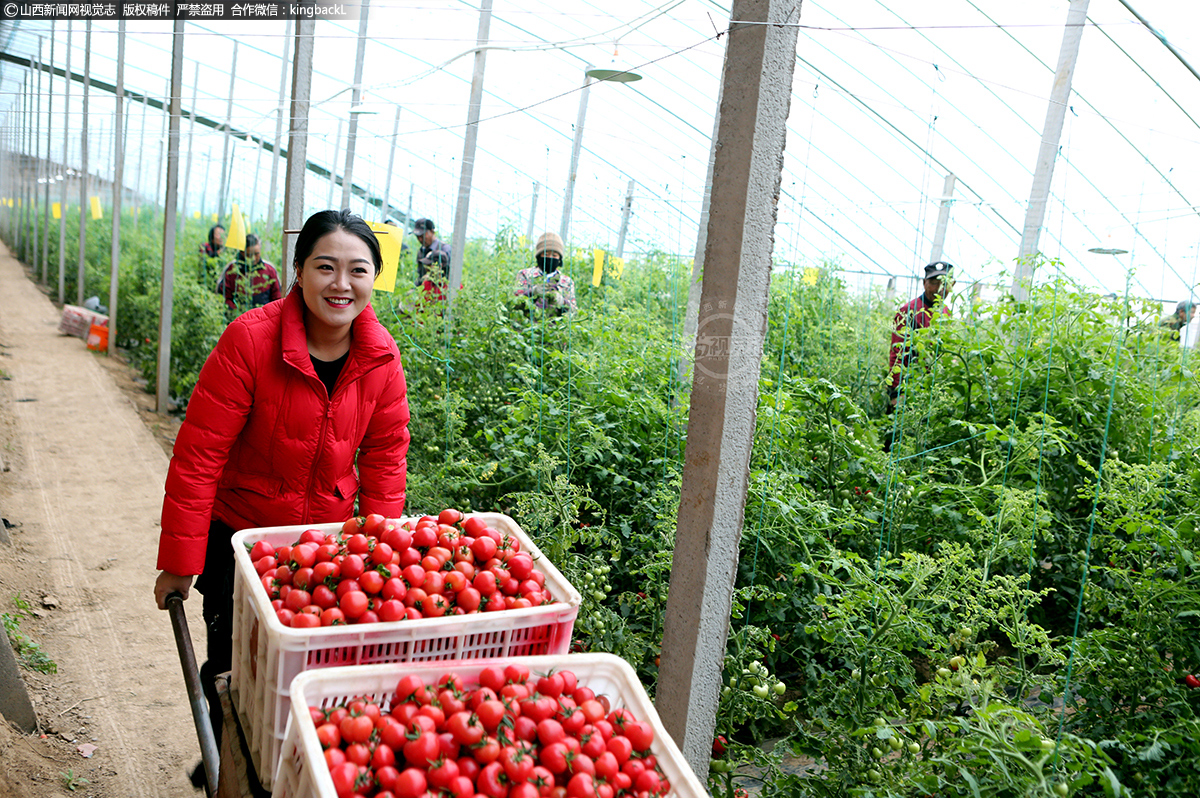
x: 302, y: 772
x: 267, y: 655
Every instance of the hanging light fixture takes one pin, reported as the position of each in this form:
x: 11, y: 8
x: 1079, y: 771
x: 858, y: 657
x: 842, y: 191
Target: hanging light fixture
x: 615, y: 72
x: 1108, y: 251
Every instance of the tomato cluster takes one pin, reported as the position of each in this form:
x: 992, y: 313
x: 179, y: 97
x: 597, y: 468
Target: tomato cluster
x: 516, y: 735
x: 383, y: 569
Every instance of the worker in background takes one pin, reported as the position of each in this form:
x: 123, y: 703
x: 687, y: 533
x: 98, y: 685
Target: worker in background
x: 433, y: 261
x: 249, y: 281
x: 1172, y: 325
x: 915, y: 315
x: 211, y: 251
x: 545, y: 283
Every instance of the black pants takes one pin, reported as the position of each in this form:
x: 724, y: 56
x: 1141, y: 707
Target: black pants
x: 216, y: 583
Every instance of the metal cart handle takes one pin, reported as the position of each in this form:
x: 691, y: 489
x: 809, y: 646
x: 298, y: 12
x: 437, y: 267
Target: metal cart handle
x: 191, y: 677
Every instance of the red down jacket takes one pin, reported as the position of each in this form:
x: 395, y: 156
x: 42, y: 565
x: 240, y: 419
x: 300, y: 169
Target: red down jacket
x: 264, y: 444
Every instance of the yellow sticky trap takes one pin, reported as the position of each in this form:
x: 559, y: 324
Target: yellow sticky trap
x: 390, y: 238
x: 56, y: 210
x: 618, y: 267
x: 236, y: 239
x: 522, y: 241
x: 97, y: 211
x: 215, y: 219
x: 195, y: 214
x: 811, y: 276
x: 597, y: 266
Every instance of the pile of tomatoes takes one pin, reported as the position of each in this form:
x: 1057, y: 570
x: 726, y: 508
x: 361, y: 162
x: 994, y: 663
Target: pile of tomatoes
x: 384, y: 569
x: 516, y: 735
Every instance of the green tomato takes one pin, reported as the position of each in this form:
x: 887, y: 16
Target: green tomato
x: 1061, y: 788
x: 855, y: 674
x: 880, y: 722
x: 874, y: 776
x: 943, y: 673
x: 761, y: 690
x: 895, y: 744
x: 1047, y: 745
x: 914, y: 748
x: 726, y: 692
x: 780, y: 688
x: 720, y: 766
x: 875, y: 752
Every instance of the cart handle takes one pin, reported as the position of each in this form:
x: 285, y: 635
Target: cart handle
x: 191, y: 677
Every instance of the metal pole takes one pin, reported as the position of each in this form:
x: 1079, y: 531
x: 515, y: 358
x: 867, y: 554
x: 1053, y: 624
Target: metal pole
x: 287, y: 35
x: 939, y: 235
x: 569, y: 195
x: 257, y: 171
x: 537, y: 187
x: 1056, y: 111
x: 297, y: 160
x: 223, y: 196
x: 49, y: 161
x: 170, y: 204
x: 759, y: 62
x: 625, y: 220
x: 463, y: 207
x: 62, y: 221
x: 355, y: 99
x: 337, y: 146
x: 19, y: 163
x: 118, y: 179
x: 187, y: 169
x: 387, y: 183
x: 84, y: 177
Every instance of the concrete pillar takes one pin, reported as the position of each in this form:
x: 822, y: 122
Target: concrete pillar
x: 385, y: 206
x: 187, y: 169
x: 283, y: 71
x: 760, y: 58
x: 49, y: 171
x: 39, y: 168
x: 170, y: 206
x: 223, y: 195
x: 66, y: 138
x: 625, y: 220
x: 355, y: 99
x: 1060, y: 94
x: 537, y: 187
x: 939, y: 235
x: 118, y: 182
x: 691, y: 315
x: 564, y: 227
x: 293, y: 187
x: 462, y: 208
x: 337, y: 146
x: 84, y: 176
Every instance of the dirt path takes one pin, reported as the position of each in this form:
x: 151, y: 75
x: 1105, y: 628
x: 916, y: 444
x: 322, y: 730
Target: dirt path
x: 81, y: 487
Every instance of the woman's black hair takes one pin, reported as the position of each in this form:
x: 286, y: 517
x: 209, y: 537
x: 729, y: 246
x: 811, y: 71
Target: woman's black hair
x: 213, y: 230
x: 323, y: 223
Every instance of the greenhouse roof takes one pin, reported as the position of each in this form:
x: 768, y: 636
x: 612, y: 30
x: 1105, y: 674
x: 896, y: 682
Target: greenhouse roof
x: 888, y: 99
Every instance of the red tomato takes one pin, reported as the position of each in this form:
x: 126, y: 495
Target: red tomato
x: 333, y: 617
x: 285, y: 616
x: 397, y: 537
x: 391, y: 732
x: 517, y: 674
x: 352, y: 525
x: 372, y: 524
x: 518, y: 766
x: 353, y: 566
x: 371, y: 582
x: 449, y: 516
x: 261, y: 549
x: 304, y: 555
x: 442, y: 773
x: 422, y: 750
x: 640, y: 734
x: 305, y: 621
x: 353, y: 604
x: 1191, y: 681
x: 581, y: 785
x: 454, y: 581
x: 521, y: 566
x: 344, y: 777
x: 329, y: 735
x: 358, y: 753
x: 622, y: 749
x: 411, y: 783
x: 465, y: 727
x: 493, y: 678
x: 490, y: 714
x: 264, y: 565
x: 382, y: 553
x: 424, y: 536
x: 323, y: 597
x: 356, y: 728
x: 391, y: 610
x: 490, y: 781
x: 469, y: 599
x: 647, y: 781
x: 324, y: 571
x: 386, y: 778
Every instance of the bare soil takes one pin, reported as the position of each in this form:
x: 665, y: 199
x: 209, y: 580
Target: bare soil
x: 84, y: 460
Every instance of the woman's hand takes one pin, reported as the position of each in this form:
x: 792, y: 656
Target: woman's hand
x: 168, y: 583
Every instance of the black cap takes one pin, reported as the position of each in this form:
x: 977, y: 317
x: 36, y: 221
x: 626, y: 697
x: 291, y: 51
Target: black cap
x: 421, y: 225
x: 939, y: 268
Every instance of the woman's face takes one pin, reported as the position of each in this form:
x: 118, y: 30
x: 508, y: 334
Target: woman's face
x: 336, y: 281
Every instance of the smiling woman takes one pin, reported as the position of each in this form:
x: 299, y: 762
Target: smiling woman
x: 299, y: 414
